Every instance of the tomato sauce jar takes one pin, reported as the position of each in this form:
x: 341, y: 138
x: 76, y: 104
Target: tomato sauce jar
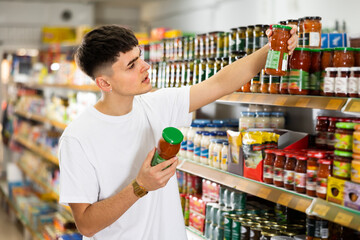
x: 312, y: 171
x: 329, y: 81
x: 312, y: 32
x: 326, y: 62
x: 315, y: 72
x: 322, y: 178
x: 269, y: 160
x: 342, y: 165
x: 343, y: 57
x: 354, y: 82
x: 279, y: 168
x: 300, y: 63
x: 321, y: 132
x: 341, y: 82
x: 300, y: 174
x: 357, y: 57
x: 277, y: 58
x: 289, y: 171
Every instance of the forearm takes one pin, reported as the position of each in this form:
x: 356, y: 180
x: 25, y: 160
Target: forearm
x: 100, y: 215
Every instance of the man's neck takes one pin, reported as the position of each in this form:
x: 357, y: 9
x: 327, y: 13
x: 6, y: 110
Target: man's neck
x: 114, y: 105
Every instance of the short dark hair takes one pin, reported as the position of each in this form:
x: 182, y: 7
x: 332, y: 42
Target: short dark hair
x: 102, y: 46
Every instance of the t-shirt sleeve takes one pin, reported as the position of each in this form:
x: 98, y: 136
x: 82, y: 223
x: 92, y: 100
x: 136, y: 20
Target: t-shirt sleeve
x: 78, y: 180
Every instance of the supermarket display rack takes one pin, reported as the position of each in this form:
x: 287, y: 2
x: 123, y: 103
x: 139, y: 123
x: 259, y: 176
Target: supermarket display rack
x: 42, y: 119
x: 85, y: 88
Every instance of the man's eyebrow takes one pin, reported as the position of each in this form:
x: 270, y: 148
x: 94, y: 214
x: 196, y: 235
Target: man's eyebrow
x: 132, y: 61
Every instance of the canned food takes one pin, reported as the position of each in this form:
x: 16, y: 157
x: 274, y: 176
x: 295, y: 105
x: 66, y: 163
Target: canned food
x: 208, y: 212
x: 227, y: 197
x: 267, y: 235
x: 202, y: 70
x: 228, y: 222
x: 239, y: 212
x: 221, y: 213
x: 255, y: 232
x: 236, y: 228
x: 218, y: 233
x: 213, y: 214
x: 210, y: 67
x: 237, y: 200
x: 207, y: 229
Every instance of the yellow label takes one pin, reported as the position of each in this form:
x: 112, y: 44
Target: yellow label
x: 284, y: 199
x: 355, y: 107
x: 321, y: 210
x: 263, y: 192
x: 343, y: 219
x: 280, y: 101
x: 334, y: 104
x: 302, y: 205
x: 302, y: 102
x: 246, y: 98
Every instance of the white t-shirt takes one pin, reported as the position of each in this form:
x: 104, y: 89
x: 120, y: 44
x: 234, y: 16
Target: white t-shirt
x: 101, y: 154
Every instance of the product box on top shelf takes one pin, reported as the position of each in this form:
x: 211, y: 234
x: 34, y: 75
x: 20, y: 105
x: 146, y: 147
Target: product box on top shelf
x: 246, y: 152
x: 331, y: 40
x: 335, y: 190
x: 352, y: 195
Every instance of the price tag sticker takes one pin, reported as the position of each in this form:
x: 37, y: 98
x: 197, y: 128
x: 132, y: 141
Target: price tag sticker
x: 355, y: 107
x: 280, y: 101
x: 302, y: 205
x: 302, y: 102
x: 263, y: 192
x: 321, y: 210
x: 343, y: 219
x: 284, y: 199
x: 334, y: 104
x: 246, y: 98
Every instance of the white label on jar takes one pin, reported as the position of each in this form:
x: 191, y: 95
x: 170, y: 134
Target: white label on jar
x: 284, y: 62
x: 353, y: 85
x: 244, y: 125
x: 359, y: 85
x: 314, y: 39
x: 329, y: 84
x: 341, y: 85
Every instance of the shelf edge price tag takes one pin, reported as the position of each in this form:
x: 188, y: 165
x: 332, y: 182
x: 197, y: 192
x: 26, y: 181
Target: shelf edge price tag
x: 242, y: 186
x: 334, y: 104
x: 246, y: 98
x: 263, y: 192
x: 302, y: 205
x: 302, y: 102
x: 280, y: 101
x: 321, y: 210
x: 343, y: 219
x: 355, y: 107
x: 284, y: 199
x: 261, y: 99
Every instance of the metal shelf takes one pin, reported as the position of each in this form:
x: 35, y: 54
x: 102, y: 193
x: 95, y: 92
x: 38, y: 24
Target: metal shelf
x: 87, y: 88
x: 41, y: 119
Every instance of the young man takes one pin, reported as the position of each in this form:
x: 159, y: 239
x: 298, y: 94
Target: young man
x: 105, y: 153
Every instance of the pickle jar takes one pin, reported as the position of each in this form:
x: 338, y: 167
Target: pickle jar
x: 315, y: 72
x: 255, y: 84
x: 241, y: 39
x: 202, y: 70
x: 343, y: 57
x: 232, y: 36
x: 217, y: 65
x: 190, y: 73
x: 277, y: 58
x: 226, y: 51
x: 224, y: 62
x: 260, y: 38
x: 312, y: 32
x: 210, y: 66
x: 300, y: 62
x: 301, y: 32
x: 264, y: 82
x: 249, y: 45
x: 196, y: 77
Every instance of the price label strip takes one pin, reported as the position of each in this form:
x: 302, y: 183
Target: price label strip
x: 263, y: 192
x: 334, y: 104
x: 246, y: 98
x: 242, y: 186
x: 280, y: 101
x: 355, y: 107
x: 302, y: 102
x: 321, y: 210
x: 261, y: 99
x: 302, y: 205
x: 343, y: 219
x: 284, y: 199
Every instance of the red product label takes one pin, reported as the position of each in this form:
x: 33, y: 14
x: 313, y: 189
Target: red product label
x: 278, y: 174
x: 197, y: 205
x: 311, y: 179
x: 300, y: 180
x: 321, y: 185
x: 268, y: 171
x: 289, y: 177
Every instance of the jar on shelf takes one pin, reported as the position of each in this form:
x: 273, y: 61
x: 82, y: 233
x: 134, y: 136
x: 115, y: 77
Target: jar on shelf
x: 260, y: 38
x: 301, y: 32
x: 246, y: 121
x: 344, y: 136
x: 277, y: 58
x: 321, y: 128
x: 246, y: 87
x: 255, y: 108
x: 224, y: 62
x: 279, y: 164
x: 204, y: 150
x: 356, y: 139
x: 330, y: 139
x: 343, y: 57
x: 216, y: 157
x: 341, y: 82
x: 210, y: 67
x: 355, y: 168
x: 315, y: 72
x: 262, y: 120
x: 212, y: 144
x: 232, y: 36
x: 326, y: 62
x: 190, y: 139
x: 342, y: 165
x: 277, y: 120
x: 357, y: 57
x: 312, y: 32
x: 268, y: 175
x: 354, y: 82
x: 266, y: 108
x: 197, y: 146
x: 274, y: 85
x: 292, y: 22
x: 300, y: 62
x: 323, y: 173
x: 249, y: 45
x: 202, y: 70
x: 329, y: 81
x: 300, y: 174
x: 264, y: 82
x: 284, y: 80
x: 224, y: 156
x: 255, y: 84
x: 289, y: 171
x: 241, y: 39
x: 312, y: 171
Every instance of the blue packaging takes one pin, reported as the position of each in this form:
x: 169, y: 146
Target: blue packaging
x: 337, y: 40
x: 324, y: 40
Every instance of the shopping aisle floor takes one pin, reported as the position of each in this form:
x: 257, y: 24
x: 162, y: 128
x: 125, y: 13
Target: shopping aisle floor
x: 8, y: 229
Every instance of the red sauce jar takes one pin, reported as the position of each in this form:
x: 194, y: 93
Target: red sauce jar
x: 300, y: 174
x: 330, y: 140
x: 353, y: 83
x: 246, y: 87
x: 323, y: 173
x: 326, y: 61
x: 315, y: 72
x: 277, y: 58
x: 321, y: 132
x: 279, y: 168
x: 289, y: 171
x: 329, y: 81
x: 264, y: 82
x: 269, y: 160
x: 344, y: 57
x: 341, y: 82
x: 168, y: 145
x: 312, y: 32
x: 300, y: 63
x: 357, y: 57
x: 274, y: 86
x: 342, y: 165
x: 312, y: 171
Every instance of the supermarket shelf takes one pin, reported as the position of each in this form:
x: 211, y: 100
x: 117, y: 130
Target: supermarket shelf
x: 87, y: 88
x: 41, y: 119
x: 317, y: 102
x: 37, y: 149
x: 352, y: 106
x: 24, y: 222
x: 193, y: 234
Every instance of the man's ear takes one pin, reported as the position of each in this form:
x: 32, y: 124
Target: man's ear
x: 103, y: 84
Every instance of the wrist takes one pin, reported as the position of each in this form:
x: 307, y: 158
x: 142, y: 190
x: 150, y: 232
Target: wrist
x: 138, y: 189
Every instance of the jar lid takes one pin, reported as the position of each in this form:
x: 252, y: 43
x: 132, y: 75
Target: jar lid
x: 316, y: 154
x: 344, y: 69
x: 242, y: 28
x: 172, y: 135
x: 292, y: 20
x: 345, y: 49
x: 322, y: 117
x: 302, y: 158
x: 225, y: 58
x: 269, y: 150
x: 279, y: 152
x: 199, y: 132
x: 263, y: 114
x: 290, y: 155
x: 221, y: 133
x: 333, y: 119
x: 218, y: 58
x: 226, y: 143
x: 342, y: 153
x: 356, y: 156
x: 198, y: 125
x: 357, y: 127
x: 233, y: 29
x: 278, y: 114
x: 205, y: 133
x: 215, y: 32
x: 331, y: 69
x: 356, y: 49
x: 345, y: 125
x: 312, y: 18
x: 211, y: 59
x: 213, y: 134
x: 325, y: 161
x: 315, y: 50
x: 250, y: 26
x: 281, y: 26
x: 248, y: 114
x: 302, y: 49
x: 345, y: 119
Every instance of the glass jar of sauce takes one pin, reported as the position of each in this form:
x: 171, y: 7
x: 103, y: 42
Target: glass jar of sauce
x: 269, y: 160
x: 329, y: 81
x: 312, y: 171
x: 292, y: 22
x: 246, y: 87
x: 279, y: 168
x: 323, y: 174
x: 277, y: 58
x: 246, y: 121
x: 255, y: 84
x: 343, y: 57
x: 300, y: 174
x: 249, y: 48
x: 326, y: 62
x: 274, y: 86
x: 315, y: 72
x: 356, y: 139
x: 342, y: 165
x: 284, y: 80
x: 355, y: 168
x: 321, y: 132
x: 341, y: 82
x: 344, y: 136
x: 357, y: 57
x: 354, y: 82
x: 217, y: 65
x: 264, y: 82
x: 241, y: 39
x: 262, y: 120
x: 168, y: 146
x: 330, y: 139
x: 312, y: 32
x: 300, y: 63
x: 289, y: 171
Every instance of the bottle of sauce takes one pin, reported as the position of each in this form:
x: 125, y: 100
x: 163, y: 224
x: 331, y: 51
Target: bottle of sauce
x: 343, y: 57
x: 276, y: 62
x: 342, y: 164
x: 289, y: 171
x: 321, y: 132
x: 315, y: 72
x: 323, y: 174
x: 312, y: 171
x: 224, y: 156
x: 326, y: 62
x: 197, y: 146
x: 329, y: 81
x: 279, y: 168
x: 269, y: 160
x: 204, y: 151
x: 168, y: 146
x: 300, y: 174
x: 330, y: 140
x: 300, y: 63
x: 353, y: 84
x: 312, y: 32
x: 341, y: 82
